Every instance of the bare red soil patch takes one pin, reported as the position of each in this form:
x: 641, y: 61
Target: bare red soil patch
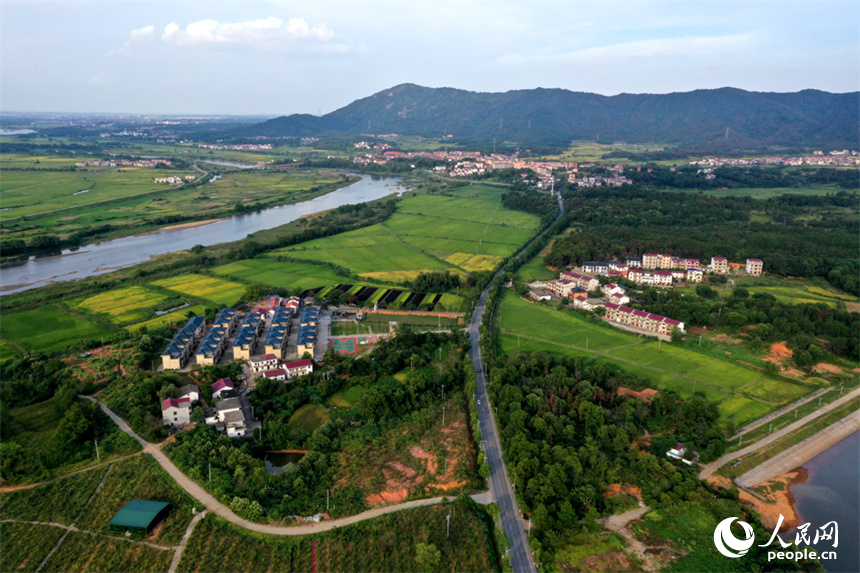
x: 779, y: 352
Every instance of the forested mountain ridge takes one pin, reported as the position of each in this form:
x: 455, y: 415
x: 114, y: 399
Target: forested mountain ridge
x: 714, y: 118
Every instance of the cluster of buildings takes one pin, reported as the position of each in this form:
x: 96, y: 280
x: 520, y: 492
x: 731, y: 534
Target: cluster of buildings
x: 616, y: 179
x: 844, y: 157
x: 232, y: 414
x: 209, y: 349
x: 237, y: 147
x: 368, y: 145
x: 272, y: 369
x: 123, y: 163
x: 174, y: 179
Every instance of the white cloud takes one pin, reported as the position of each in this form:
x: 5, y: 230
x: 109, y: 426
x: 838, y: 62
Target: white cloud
x: 143, y: 33
x: 266, y: 34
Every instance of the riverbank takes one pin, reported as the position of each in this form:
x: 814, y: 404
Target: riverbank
x: 798, y: 454
x: 777, y: 497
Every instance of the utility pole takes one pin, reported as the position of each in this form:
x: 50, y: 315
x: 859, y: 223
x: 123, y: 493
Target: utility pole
x: 327, y: 500
x: 448, y: 525
x: 98, y: 457
x: 443, y: 415
x: 530, y: 527
x: 770, y: 428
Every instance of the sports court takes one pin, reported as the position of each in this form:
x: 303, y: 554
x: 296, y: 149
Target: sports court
x: 344, y: 345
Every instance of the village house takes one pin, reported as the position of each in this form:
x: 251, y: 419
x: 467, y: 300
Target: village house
x: 719, y: 265
x: 634, y: 262
x: 213, y: 346
x: 561, y: 287
x: 222, y: 385
x: 650, y: 261
x: 278, y: 374
x: 587, y: 282
x: 265, y: 362
x: 176, y: 412
x: 641, y: 319
x: 754, y: 267
x: 180, y: 349
x: 299, y: 368
x: 595, y: 268
x: 190, y: 391
x: 251, y: 327
x: 694, y: 276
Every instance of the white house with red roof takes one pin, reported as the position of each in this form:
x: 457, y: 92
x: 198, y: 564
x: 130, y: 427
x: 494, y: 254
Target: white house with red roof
x: 277, y: 374
x: 299, y: 368
x: 176, y: 411
x: 220, y: 386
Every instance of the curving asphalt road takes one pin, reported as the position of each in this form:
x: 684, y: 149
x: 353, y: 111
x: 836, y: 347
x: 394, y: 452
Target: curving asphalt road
x: 500, y: 484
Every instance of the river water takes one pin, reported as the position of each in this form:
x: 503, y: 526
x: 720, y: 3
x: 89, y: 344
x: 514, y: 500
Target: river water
x: 99, y: 258
x: 832, y: 493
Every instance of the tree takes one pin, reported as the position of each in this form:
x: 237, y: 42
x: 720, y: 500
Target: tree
x: 427, y: 557
x: 253, y: 292
x: 677, y: 335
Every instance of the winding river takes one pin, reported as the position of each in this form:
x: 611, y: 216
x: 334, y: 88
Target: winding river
x: 107, y: 256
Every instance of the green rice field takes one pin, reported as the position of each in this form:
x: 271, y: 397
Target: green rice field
x: 292, y: 275
x: 427, y: 233
x: 60, y: 329
x: 801, y: 294
x: 217, y: 290
x: 176, y: 317
x: 742, y: 394
x: 121, y: 306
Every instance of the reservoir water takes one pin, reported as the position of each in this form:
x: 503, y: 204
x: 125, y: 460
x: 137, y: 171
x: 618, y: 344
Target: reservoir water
x: 832, y: 493
x: 99, y: 258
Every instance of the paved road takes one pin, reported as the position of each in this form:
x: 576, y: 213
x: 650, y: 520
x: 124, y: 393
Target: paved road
x: 714, y: 466
x: 212, y: 505
x: 500, y: 484
x: 801, y: 453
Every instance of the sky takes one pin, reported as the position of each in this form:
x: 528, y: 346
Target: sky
x: 278, y: 58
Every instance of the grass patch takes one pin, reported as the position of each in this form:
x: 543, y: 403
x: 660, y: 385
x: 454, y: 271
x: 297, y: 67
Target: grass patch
x: 742, y: 393
x: 309, y: 417
x: 296, y: 276
x: 49, y: 329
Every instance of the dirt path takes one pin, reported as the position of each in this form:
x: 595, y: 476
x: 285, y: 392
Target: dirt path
x: 180, y: 549
x: 714, y: 466
x: 618, y: 524
x: 214, y: 506
x: 801, y: 453
x: 11, y: 488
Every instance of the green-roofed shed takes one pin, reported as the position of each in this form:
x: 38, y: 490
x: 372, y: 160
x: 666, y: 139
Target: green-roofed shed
x: 139, y: 515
